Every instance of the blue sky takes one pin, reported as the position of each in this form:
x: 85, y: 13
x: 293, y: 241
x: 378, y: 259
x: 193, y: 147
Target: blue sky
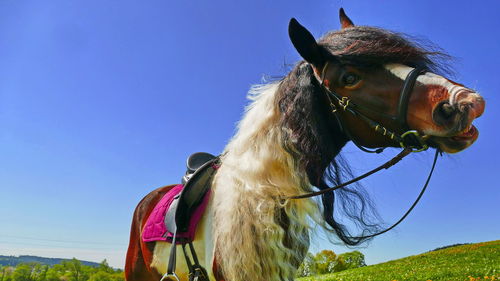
x: 102, y: 101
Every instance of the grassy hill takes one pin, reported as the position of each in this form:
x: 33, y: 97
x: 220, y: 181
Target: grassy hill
x: 480, y: 261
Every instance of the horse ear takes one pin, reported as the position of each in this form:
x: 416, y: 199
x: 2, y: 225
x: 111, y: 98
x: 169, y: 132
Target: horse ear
x: 345, y: 21
x: 304, y: 43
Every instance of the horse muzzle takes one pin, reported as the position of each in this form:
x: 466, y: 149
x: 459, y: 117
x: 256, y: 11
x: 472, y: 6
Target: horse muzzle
x: 456, y: 117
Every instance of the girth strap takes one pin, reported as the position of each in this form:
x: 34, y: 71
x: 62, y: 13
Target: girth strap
x: 196, y: 271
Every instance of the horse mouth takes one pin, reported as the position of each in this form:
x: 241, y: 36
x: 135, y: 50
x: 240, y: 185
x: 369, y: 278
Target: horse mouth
x: 458, y: 142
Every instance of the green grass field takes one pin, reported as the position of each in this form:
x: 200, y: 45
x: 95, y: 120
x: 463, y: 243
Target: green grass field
x: 479, y: 261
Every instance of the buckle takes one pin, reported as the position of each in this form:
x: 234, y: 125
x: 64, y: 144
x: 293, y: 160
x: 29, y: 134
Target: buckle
x: 422, y: 145
x: 344, y: 102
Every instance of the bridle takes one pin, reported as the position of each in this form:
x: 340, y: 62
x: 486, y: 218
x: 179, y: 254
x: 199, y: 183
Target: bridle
x: 409, y: 140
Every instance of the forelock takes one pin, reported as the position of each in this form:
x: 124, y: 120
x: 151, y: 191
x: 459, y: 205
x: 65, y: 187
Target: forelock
x: 375, y: 46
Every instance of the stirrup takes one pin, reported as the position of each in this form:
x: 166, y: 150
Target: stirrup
x: 168, y: 275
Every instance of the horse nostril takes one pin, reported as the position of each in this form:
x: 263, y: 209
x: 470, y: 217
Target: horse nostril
x: 444, y: 114
x: 464, y: 106
x: 447, y: 110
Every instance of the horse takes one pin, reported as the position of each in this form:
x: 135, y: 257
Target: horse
x: 368, y: 85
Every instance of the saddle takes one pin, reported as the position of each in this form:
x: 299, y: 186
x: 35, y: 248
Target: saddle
x: 197, y: 181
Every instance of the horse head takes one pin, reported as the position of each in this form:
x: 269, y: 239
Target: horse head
x: 368, y: 67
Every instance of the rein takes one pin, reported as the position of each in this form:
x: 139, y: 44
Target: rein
x: 410, y: 140
x: 386, y: 165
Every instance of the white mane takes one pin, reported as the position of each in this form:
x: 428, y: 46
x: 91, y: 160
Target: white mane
x: 250, y: 244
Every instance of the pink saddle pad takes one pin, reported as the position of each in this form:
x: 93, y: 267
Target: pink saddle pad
x: 155, y: 229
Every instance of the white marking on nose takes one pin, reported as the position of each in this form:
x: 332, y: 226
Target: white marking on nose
x: 455, y: 91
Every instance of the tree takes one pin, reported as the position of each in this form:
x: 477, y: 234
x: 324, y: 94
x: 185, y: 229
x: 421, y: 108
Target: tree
x: 340, y: 264
x: 353, y: 259
x: 101, y: 276
x: 72, y: 270
x: 55, y: 272
x: 325, y: 261
x: 39, y: 272
x: 75, y: 270
x: 22, y: 273
x: 307, y: 267
x: 3, y: 271
x: 104, y: 266
x: 7, y: 272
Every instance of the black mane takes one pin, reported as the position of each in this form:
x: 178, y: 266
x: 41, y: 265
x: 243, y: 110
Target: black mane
x: 312, y: 135
x: 365, y: 45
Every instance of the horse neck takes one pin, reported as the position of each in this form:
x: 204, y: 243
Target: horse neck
x: 256, y: 170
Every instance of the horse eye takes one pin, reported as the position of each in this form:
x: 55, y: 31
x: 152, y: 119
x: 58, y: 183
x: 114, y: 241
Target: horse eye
x: 350, y: 79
